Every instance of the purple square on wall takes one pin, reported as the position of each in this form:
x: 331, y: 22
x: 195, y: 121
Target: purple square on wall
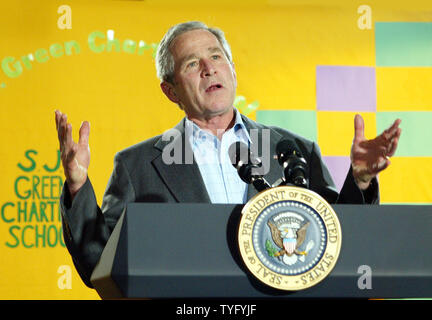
x: 338, y: 167
x: 343, y: 88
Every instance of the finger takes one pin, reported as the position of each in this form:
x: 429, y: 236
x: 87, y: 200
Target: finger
x: 390, y: 140
x: 57, y: 116
x: 62, y: 128
x: 84, y: 133
x: 397, y: 134
x: 68, y: 136
x: 358, y: 128
x: 392, y: 130
x: 376, y: 167
x: 393, y: 144
x: 64, y: 124
x: 383, y: 165
x: 395, y: 125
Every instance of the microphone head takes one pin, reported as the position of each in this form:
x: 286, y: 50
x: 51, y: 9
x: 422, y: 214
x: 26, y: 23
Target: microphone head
x: 247, y: 164
x: 286, y: 148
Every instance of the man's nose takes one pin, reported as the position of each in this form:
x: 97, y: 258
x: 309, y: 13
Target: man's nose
x: 207, y: 68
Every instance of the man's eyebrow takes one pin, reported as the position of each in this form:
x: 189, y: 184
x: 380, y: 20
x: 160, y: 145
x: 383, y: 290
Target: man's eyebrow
x: 215, y: 49
x: 194, y: 56
x: 188, y: 57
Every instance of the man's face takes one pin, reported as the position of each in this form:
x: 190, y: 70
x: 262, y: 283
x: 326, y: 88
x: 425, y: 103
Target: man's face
x: 204, y: 79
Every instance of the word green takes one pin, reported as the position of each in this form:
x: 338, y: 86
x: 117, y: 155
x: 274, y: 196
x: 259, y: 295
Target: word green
x: 97, y: 42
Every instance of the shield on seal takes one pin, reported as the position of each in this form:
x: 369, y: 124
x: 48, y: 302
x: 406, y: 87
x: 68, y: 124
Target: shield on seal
x: 289, y: 245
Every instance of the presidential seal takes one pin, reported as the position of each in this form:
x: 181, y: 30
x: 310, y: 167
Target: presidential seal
x: 289, y: 237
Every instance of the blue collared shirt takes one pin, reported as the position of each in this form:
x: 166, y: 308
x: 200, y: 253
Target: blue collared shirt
x: 221, y: 179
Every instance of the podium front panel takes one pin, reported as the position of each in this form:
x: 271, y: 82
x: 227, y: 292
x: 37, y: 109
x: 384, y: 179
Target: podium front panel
x: 191, y: 250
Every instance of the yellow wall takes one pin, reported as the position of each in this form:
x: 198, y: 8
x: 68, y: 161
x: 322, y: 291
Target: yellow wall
x: 276, y: 46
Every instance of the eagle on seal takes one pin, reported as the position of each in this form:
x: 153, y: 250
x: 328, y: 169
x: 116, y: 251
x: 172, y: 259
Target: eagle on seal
x: 288, y: 239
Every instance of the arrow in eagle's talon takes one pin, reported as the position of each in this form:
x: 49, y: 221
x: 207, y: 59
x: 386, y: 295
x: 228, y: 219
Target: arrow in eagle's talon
x: 280, y: 253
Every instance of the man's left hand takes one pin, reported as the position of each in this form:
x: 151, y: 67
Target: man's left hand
x: 369, y: 157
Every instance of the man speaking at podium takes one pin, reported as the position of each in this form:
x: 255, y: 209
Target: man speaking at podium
x: 196, y: 70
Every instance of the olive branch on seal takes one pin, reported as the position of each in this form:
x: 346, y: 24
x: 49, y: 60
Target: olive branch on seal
x: 271, y: 250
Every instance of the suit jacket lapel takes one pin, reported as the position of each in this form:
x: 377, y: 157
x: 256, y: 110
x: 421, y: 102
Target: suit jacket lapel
x: 182, y: 177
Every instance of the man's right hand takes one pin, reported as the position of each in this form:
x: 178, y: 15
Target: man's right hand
x: 75, y: 156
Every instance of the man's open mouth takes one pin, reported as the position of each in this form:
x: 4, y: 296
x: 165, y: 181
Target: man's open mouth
x: 214, y: 87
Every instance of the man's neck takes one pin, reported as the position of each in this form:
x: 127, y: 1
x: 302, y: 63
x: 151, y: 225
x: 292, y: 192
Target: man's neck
x: 217, y: 125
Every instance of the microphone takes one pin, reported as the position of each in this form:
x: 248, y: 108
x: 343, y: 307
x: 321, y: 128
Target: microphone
x: 293, y: 163
x: 246, y: 162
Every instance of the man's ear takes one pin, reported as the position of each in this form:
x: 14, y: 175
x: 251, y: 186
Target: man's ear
x: 169, y: 91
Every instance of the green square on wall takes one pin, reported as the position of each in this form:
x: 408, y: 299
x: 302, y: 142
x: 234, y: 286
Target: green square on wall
x: 416, y: 137
x: 301, y: 122
x: 403, y: 44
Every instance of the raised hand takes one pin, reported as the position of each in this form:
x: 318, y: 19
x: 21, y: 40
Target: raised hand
x: 369, y: 157
x: 75, y: 156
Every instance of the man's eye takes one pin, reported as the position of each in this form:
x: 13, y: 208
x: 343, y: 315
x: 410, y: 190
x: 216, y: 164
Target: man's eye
x: 192, y: 64
x: 215, y: 57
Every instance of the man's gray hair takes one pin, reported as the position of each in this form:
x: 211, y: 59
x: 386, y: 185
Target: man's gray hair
x: 164, y: 58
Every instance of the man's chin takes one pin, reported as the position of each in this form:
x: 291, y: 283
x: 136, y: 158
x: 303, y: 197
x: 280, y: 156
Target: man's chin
x: 218, y: 111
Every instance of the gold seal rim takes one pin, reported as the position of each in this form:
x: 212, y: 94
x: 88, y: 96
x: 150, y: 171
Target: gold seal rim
x: 278, y: 280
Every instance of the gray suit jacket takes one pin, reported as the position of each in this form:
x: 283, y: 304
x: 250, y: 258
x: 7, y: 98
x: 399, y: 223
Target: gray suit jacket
x: 140, y: 175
